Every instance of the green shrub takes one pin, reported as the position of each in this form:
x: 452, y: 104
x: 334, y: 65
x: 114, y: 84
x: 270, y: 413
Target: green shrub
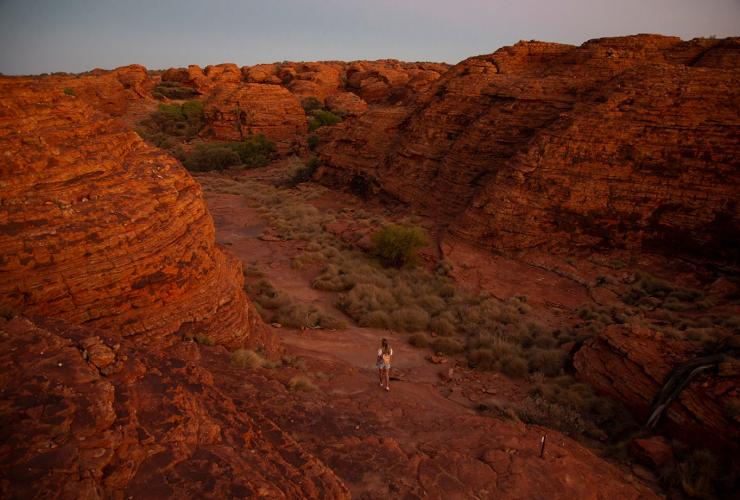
x: 397, y: 245
x: 255, y: 151
x: 172, y: 122
x: 214, y: 156
x: 70, y: 91
x: 173, y: 90
x: 313, y: 141
x: 321, y: 117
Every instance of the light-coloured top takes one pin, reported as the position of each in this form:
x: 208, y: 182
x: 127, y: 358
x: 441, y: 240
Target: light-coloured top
x: 380, y: 351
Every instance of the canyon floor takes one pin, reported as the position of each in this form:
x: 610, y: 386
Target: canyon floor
x: 406, y: 442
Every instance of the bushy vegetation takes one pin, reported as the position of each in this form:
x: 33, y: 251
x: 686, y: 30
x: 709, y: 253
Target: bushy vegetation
x: 70, y: 91
x: 313, y: 141
x: 254, y: 151
x: 173, y: 90
x: 318, y: 116
x: 301, y: 383
x: 489, y: 333
x: 210, y: 156
x: 302, y: 174
x: 246, y: 358
x: 172, y: 123
x: 397, y: 245
x: 278, y: 307
x: 322, y: 118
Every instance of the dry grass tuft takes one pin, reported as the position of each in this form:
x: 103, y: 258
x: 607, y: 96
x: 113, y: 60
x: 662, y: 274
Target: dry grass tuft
x: 301, y: 383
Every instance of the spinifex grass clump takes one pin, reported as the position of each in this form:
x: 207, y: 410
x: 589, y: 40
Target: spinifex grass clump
x: 278, y: 307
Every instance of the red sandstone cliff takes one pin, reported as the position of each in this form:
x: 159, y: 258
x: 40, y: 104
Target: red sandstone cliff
x: 627, y: 142
x: 100, y: 229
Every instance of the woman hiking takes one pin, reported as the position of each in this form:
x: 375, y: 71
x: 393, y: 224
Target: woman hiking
x: 385, y: 353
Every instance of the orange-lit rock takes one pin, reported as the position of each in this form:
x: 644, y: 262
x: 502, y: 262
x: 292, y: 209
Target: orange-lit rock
x: 100, y: 229
x: 234, y: 112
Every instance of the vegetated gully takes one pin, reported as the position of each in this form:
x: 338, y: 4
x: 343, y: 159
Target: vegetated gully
x: 421, y: 415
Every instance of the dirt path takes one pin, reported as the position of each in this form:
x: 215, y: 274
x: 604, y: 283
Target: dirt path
x: 420, y: 440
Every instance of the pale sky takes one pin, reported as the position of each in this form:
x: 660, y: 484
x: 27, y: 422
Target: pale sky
x: 78, y: 35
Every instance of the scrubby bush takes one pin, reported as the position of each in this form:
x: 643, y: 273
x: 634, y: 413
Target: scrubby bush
x: 410, y: 319
x: 246, y: 358
x: 171, y: 123
x: 302, y: 174
x: 322, y: 117
x: 213, y: 156
x: 447, y: 345
x: 255, y: 151
x: 173, y: 90
x: 397, y: 245
x: 277, y: 307
x: 70, y: 91
x: 310, y: 104
x: 313, y: 141
x: 301, y: 383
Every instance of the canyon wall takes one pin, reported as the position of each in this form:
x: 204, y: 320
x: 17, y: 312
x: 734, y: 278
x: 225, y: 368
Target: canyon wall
x: 100, y: 229
x: 622, y: 142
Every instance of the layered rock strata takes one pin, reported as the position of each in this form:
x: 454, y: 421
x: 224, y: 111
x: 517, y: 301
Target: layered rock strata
x: 100, y: 229
x: 628, y: 142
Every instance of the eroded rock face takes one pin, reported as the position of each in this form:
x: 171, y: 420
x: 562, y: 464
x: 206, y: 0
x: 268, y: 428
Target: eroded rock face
x: 100, y: 229
x: 624, y: 142
x: 235, y: 111
x: 147, y: 424
x: 632, y: 364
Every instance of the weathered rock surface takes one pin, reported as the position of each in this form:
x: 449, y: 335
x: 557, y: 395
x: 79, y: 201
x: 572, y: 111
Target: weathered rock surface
x: 235, y: 111
x: 100, y: 229
x: 149, y: 424
x: 346, y: 102
x: 627, y: 142
x: 408, y: 443
x: 632, y: 364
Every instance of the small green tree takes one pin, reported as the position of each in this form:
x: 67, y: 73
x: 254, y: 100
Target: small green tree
x: 396, y: 245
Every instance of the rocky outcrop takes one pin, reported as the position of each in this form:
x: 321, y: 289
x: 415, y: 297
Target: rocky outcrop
x: 87, y: 414
x: 632, y: 364
x: 624, y: 142
x: 234, y: 112
x: 100, y: 229
x: 346, y: 103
